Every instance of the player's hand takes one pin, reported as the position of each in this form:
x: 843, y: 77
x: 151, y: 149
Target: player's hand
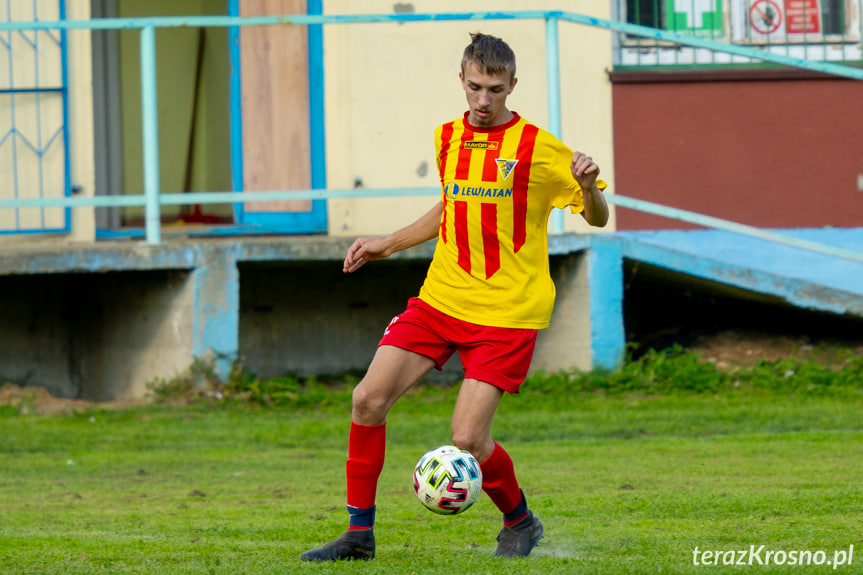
x: 584, y: 170
x: 365, y: 250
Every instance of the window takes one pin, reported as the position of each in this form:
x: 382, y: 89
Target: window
x: 645, y: 13
x: 814, y: 29
x: 33, y: 118
x: 795, y: 21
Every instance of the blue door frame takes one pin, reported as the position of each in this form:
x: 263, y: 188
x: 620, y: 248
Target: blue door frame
x: 314, y: 221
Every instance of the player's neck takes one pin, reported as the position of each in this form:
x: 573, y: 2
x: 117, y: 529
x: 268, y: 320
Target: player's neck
x: 505, y: 118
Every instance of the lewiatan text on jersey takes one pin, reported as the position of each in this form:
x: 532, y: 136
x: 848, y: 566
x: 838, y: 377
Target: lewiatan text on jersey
x: 453, y: 189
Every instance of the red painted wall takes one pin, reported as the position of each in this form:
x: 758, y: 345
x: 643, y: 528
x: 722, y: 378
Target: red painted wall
x: 776, y: 154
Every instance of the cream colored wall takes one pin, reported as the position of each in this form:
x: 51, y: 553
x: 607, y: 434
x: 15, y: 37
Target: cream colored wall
x: 81, y: 161
x: 389, y: 85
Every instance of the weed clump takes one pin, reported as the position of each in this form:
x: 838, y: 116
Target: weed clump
x: 671, y: 371
x: 200, y: 383
x: 676, y: 370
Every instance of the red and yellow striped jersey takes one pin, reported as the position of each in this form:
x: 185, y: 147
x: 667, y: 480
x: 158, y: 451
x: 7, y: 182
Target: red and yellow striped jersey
x: 499, y: 184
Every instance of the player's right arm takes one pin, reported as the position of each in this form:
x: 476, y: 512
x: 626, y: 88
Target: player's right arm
x: 378, y: 247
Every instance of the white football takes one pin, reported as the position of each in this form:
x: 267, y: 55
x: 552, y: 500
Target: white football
x: 447, y: 480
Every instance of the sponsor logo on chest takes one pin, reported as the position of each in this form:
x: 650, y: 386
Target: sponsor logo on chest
x: 481, y: 145
x: 464, y: 191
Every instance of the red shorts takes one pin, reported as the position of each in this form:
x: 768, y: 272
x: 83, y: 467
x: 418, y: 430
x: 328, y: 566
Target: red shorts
x: 499, y: 356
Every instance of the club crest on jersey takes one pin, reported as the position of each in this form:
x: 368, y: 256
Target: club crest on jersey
x: 505, y: 167
x: 481, y: 145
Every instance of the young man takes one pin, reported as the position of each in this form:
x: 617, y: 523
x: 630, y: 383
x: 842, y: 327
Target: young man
x: 487, y: 292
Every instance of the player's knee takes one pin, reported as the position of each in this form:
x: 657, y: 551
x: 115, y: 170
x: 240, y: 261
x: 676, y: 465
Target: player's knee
x: 468, y: 441
x: 368, y: 406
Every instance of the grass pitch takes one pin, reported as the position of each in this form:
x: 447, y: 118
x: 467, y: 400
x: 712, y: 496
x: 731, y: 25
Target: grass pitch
x: 623, y: 484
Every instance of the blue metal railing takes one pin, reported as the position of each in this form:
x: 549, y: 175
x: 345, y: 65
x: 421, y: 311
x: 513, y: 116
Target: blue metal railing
x: 152, y: 198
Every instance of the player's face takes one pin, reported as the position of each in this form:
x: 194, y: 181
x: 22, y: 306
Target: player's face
x: 486, y: 96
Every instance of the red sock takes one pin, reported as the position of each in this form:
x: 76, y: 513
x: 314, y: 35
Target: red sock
x: 498, y: 480
x: 366, y: 450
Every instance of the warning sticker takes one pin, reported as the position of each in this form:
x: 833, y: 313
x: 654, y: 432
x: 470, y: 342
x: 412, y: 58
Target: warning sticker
x: 781, y: 20
x: 803, y: 16
x: 765, y: 17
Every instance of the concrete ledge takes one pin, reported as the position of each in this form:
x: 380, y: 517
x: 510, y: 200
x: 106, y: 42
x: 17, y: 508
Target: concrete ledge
x: 802, y: 278
x: 100, y: 321
x: 280, y: 304
x: 181, y: 254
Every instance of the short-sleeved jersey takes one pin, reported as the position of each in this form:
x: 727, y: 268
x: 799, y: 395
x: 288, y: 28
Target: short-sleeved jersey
x: 499, y: 184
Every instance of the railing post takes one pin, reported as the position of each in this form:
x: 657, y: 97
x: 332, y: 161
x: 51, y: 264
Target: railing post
x: 150, y: 131
x: 552, y: 62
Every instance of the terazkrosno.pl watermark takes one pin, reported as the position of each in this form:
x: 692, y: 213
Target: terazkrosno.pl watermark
x: 760, y: 555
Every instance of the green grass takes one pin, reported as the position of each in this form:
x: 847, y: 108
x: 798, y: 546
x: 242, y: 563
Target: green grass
x: 625, y: 481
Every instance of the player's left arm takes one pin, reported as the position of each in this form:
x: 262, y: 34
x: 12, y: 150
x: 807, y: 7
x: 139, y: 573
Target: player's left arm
x: 585, y: 171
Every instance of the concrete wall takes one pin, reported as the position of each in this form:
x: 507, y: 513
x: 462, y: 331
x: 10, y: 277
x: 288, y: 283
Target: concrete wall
x: 309, y: 318
x: 566, y: 342
x: 95, y: 336
x: 388, y: 86
x: 102, y: 322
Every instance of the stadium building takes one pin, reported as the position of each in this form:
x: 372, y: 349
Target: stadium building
x: 125, y: 135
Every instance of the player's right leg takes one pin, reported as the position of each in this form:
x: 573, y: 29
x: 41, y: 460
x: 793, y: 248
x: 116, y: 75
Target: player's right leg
x: 392, y: 372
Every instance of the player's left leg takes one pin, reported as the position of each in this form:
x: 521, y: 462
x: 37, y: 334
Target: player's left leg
x: 471, y: 419
x: 471, y: 429
x: 496, y: 360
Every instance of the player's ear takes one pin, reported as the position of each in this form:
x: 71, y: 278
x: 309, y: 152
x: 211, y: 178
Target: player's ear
x: 512, y: 84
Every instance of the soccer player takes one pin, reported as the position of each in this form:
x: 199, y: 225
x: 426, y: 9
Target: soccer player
x: 487, y: 292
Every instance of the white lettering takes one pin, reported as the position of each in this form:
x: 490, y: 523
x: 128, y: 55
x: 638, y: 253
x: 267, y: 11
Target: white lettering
x: 756, y: 555
x: 762, y: 556
x: 840, y: 557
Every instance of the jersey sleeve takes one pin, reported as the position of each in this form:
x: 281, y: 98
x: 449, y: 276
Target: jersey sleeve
x: 567, y: 190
